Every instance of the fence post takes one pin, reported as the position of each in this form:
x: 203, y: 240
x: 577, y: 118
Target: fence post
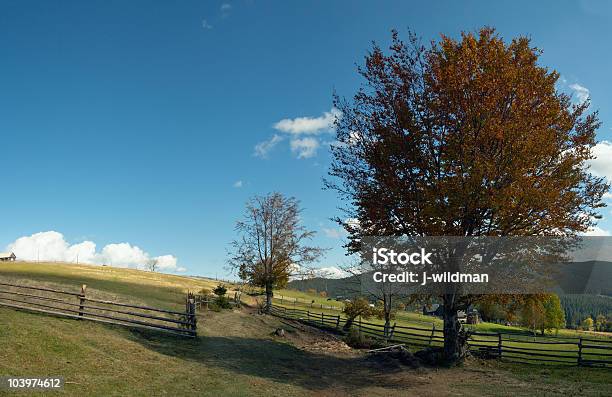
x: 82, y: 299
x: 321, y: 319
x: 499, y: 345
x: 392, y: 332
x: 191, y: 311
x: 360, y: 325
x: 308, y: 314
x: 281, y: 297
x: 338, y: 322
x: 580, y: 351
x: 433, y: 331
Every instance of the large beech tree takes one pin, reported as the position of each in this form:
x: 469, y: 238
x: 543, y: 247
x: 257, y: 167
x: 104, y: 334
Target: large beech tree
x: 463, y: 137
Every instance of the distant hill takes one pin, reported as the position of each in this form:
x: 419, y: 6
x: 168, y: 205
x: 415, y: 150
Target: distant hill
x: 342, y: 287
x: 592, y: 277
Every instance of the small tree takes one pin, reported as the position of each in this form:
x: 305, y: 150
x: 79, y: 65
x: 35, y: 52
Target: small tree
x: 554, y: 316
x: 220, y: 290
x: 271, y: 244
x: 600, y: 323
x: 532, y: 314
x: 587, y: 324
x: 358, y: 307
x: 152, y: 264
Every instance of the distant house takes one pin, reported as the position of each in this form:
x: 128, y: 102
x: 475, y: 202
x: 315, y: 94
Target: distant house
x: 433, y: 310
x: 471, y: 317
x: 7, y: 257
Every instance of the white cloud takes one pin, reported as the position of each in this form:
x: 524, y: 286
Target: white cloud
x: 334, y: 233
x: 304, y: 147
x: 309, y: 125
x: 238, y: 184
x: 597, y: 231
x: 206, y: 25
x: 330, y: 272
x: 166, y: 262
x: 601, y: 165
x: 262, y: 149
x: 607, y: 196
x: 52, y: 246
x: 582, y: 93
x: 122, y: 255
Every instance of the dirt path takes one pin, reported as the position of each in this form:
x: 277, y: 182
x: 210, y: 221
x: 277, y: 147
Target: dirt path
x: 321, y: 364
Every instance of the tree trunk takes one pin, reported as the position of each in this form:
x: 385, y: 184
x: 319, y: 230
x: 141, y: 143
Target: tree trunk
x: 455, y: 339
x: 348, y: 324
x: 387, y: 323
x: 387, y: 313
x: 269, y: 296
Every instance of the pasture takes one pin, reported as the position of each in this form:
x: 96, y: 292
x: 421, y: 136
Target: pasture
x: 234, y: 354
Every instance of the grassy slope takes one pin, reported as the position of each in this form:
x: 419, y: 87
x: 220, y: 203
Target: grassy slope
x: 234, y: 354
x: 161, y: 290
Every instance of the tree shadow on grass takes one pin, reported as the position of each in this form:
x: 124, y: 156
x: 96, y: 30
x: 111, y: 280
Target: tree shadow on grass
x: 276, y: 361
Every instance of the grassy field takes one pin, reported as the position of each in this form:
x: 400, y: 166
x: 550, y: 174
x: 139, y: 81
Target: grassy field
x: 407, y: 318
x: 518, y: 343
x: 235, y: 353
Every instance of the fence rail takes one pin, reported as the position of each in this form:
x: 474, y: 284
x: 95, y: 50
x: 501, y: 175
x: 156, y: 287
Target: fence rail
x: 78, y: 305
x: 582, y: 352
x: 310, y: 303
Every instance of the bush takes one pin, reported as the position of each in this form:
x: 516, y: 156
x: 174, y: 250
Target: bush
x: 204, y: 292
x: 358, y: 307
x: 358, y: 340
x: 220, y: 290
x: 222, y: 302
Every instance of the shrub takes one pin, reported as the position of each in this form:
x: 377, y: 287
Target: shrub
x: 220, y: 290
x: 358, y: 307
x: 356, y: 339
x: 222, y: 302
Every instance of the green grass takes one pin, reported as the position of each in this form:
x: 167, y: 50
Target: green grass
x: 160, y: 290
x: 513, y: 337
x: 414, y: 319
x: 234, y: 354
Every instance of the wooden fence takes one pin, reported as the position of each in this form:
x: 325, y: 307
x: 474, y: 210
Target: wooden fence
x: 203, y: 301
x: 562, y: 351
x: 78, y: 305
x: 311, y: 303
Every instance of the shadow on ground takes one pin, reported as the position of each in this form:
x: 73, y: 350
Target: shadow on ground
x: 276, y: 361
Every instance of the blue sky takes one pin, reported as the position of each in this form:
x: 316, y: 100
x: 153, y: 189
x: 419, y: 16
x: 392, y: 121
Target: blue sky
x: 139, y: 122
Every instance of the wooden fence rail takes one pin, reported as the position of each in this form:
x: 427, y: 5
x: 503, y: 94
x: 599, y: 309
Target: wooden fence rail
x: 583, y: 352
x: 79, y: 305
x: 305, y: 302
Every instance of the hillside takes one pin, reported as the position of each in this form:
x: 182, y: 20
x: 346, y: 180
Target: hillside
x: 235, y: 353
x: 577, y: 307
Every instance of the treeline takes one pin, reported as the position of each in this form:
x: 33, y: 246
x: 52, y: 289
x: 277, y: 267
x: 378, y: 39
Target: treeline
x: 577, y: 308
